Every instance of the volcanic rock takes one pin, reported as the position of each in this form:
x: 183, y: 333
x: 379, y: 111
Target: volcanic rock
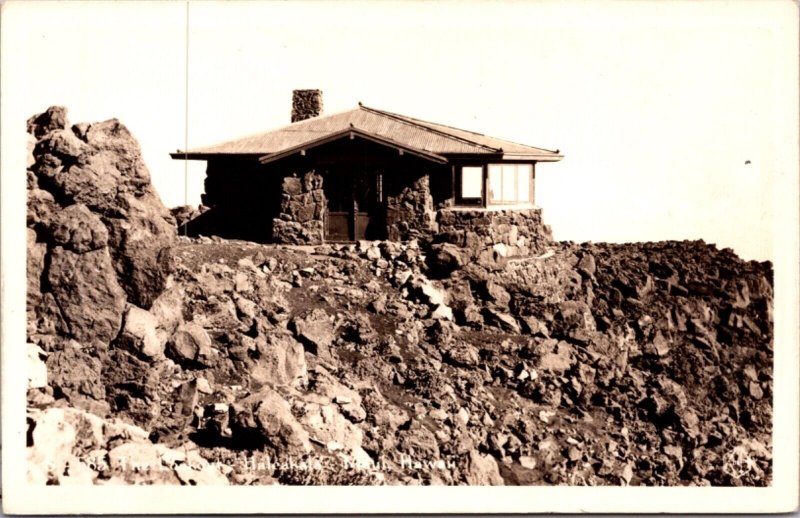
x: 139, y: 334
x: 76, y: 375
x: 96, y: 178
x: 500, y: 319
x: 270, y: 415
x: 190, y: 345
x: 444, y: 258
x: 35, y: 267
x: 495, y: 293
x: 88, y: 294
x: 281, y: 362
x: 140, y: 241
x: 75, y: 228
x: 54, y: 118
x: 315, y: 330
x: 482, y: 470
x: 426, y: 291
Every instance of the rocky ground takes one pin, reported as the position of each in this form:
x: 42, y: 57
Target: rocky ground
x: 163, y: 359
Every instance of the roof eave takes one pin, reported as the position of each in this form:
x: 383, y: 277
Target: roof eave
x: 199, y: 155
x: 506, y: 157
x: 532, y: 158
x: 266, y: 158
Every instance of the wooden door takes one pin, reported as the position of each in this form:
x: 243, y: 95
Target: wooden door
x: 355, y: 205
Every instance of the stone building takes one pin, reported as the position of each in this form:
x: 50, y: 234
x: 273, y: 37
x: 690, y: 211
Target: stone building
x: 370, y: 174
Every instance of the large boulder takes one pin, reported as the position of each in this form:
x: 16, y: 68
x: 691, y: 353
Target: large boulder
x: 77, y: 376
x: 315, y: 330
x: 76, y: 228
x: 92, y: 167
x: 444, y: 259
x: 140, y: 242
x: 482, y: 470
x: 269, y: 415
x: 190, y: 345
x: 139, y: 334
x: 281, y: 362
x: 87, y: 292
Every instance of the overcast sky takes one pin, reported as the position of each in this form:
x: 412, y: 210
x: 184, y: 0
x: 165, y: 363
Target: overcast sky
x: 672, y: 117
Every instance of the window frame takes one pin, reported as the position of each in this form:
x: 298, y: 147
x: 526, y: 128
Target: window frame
x: 490, y: 202
x: 484, y: 201
x: 479, y: 201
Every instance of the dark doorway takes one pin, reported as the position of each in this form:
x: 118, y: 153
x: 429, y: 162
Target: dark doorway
x: 356, y: 208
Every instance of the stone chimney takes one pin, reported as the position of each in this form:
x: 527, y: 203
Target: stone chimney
x: 306, y: 104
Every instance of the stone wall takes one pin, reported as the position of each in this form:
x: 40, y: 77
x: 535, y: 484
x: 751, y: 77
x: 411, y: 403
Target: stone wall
x: 489, y: 234
x: 241, y: 200
x: 410, y: 214
x: 303, y: 209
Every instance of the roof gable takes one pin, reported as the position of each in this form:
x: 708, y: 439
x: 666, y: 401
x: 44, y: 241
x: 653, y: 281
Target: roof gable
x: 352, y: 133
x: 407, y: 132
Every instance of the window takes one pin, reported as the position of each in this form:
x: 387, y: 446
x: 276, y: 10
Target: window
x: 510, y: 183
x: 472, y: 182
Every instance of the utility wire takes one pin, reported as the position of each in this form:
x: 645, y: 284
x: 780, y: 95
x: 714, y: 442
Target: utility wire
x: 186, y: 124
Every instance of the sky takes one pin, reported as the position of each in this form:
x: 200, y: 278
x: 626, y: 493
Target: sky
x: 676, y: 119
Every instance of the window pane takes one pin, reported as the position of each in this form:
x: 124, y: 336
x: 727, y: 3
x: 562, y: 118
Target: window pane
x: 509, y: 183
x: 524, y: 183
x: 495, y: 183
x: 471, y: 180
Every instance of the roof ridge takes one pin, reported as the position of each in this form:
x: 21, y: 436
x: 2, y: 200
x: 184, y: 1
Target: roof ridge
x: 416, y: 122
x: 423, y: 122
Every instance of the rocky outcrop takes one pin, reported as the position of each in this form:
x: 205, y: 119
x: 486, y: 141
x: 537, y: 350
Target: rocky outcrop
x: 90, y: 196
x: 99, y: 244
x: 99, y: 167
x: 303, y: 207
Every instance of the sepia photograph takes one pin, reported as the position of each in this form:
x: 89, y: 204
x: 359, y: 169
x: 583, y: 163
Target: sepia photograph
x: 399, y: 257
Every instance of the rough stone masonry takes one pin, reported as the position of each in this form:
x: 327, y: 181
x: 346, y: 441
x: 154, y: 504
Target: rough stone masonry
x: 490, y: 236
x: 306, y: 104
x: 410, y: 214
x: 303, y: 208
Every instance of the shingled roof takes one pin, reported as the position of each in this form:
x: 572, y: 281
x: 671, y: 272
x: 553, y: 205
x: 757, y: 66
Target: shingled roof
x: 425, y: 138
